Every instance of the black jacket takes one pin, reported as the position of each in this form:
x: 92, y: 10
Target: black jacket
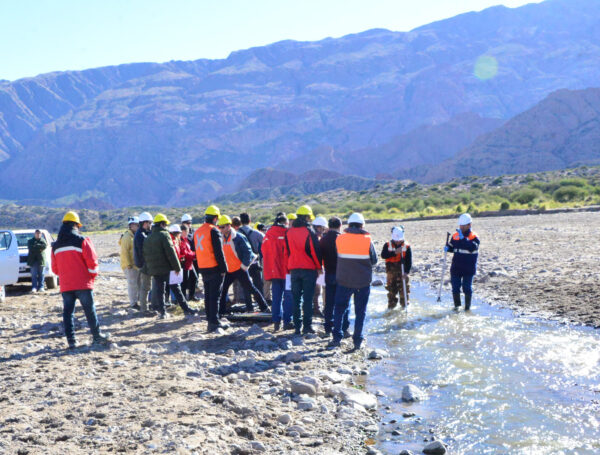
x: 138, y: 247
x: 35, y: 253
x: 329, y: 251
x: 406, y: 260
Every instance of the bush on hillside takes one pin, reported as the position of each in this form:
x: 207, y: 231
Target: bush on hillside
x: 569, y: 193
x: 526, y: 195
x: 505, y: 205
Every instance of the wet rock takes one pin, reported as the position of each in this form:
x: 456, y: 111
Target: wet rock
x: 378, y: 354
x: 303, y: 388
x: 377, y: 282
x: 411, y: 393
x: 408, y: 414
x: 396, y: 433
x: 434, y: 448
x: 405, y: 452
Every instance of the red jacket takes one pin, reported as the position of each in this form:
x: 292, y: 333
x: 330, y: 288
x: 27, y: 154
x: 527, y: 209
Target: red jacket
x: 74, y: 260
x: 302, y: 247
x: 186, y: 254
x: 274, y: 251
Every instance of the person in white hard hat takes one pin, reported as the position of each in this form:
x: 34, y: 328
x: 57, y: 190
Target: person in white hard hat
x: 354, y: 273
x: 464, y: 243
x: 320, y: 226
x: 145, y: 225
x: 397, y: 253
x: 190, y: 274
x: 132, y: 273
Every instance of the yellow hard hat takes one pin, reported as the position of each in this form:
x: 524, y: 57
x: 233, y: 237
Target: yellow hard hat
x: 291, y: 216
x: 223, y: 220
x: 72, y: 216
x: 212, y: 210
x: 305, y: 210
x: 159, y: 218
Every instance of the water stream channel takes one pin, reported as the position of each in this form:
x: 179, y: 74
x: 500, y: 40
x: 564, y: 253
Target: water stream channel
x: 495, y: 383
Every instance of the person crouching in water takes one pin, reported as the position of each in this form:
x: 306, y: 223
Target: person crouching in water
x: 239, y: 257
x: 465, y: 246
x: 175, y: 279
x: 75, y: 261
x: 397, y: 253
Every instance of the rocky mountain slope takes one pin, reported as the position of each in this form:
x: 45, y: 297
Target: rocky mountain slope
x: 562, y: 131
x: 182, y: 132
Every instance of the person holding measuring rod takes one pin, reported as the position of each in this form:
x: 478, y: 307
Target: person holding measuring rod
x: 398, y: 262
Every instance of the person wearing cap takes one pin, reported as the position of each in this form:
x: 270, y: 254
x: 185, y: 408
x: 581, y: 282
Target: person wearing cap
x: 397, y: 253
x: 464, y: 243
x: 190, y: 277
x: 36, y: 260
x: 211, y: 264
x: 354, y: 273
x: 75, y: 261
x: 145, y: 220
x: 275, y: 268
x: 160, y: 258
x: 329, y: 252
x: 255, y: 238
x: 239, y: 257
x: 304, y: 264
x: 132, y: 273
x: 320, y: 226
x: 175, y: 279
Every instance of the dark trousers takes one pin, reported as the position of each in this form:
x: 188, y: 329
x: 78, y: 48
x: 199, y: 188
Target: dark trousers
x: 213, y: 283
x: 179, y: 297
x: 464, y: 281
x: 330, y: 287
x: 255, y: 272
x: 160, y: 289
x: 37, y: 277
x: 342, y: 305
x: 248, y: 287
x: 86, y: 298
x: 303, y: 290
x: 190, y: 281
x: 282, y: 305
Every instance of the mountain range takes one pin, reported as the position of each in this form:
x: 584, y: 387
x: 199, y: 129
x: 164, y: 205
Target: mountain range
x: 431, y: 103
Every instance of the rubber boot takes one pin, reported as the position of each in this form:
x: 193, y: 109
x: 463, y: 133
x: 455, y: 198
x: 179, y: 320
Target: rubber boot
x: 468, y: 301
x: 456, y: 298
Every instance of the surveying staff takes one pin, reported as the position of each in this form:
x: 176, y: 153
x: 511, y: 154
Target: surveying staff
x: 356, y: 258
x: 211, y: 264
x: 75, y: 261
x: 397, y: 253
x: 465, y: 246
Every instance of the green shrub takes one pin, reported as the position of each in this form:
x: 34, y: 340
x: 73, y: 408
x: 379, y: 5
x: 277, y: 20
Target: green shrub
x: 505, y: 205
x: 569, y: 193
x: 578, y: 182
x: 526, y: 195
x: 497, y: 181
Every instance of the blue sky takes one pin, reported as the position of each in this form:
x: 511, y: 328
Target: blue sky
x: 39, y: 36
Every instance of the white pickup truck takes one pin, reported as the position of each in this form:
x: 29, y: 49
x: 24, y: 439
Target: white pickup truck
x: 9, y: 261
x: 23, y: 236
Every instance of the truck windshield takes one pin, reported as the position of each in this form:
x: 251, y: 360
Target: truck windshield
x: 22, y: 239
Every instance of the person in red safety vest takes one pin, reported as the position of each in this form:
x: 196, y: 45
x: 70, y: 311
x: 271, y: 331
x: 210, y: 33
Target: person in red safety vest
x: 397, y: 253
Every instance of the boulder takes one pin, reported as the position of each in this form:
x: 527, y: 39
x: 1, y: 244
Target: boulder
x: 411, y: 393
x: 435, y: 448
x: 303, y: 388
x: 352, y: 395
x: 378, y: 354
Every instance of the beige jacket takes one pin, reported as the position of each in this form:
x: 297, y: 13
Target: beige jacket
x: 126, y: 243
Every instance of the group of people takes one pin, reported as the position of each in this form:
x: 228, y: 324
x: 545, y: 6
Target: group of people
x: 297, y: 256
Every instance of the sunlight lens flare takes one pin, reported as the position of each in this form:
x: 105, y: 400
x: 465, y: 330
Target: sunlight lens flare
x: 486, y: 67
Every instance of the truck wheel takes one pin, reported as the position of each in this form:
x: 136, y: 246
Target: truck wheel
x: 2, y: 294
x: 51, y: 282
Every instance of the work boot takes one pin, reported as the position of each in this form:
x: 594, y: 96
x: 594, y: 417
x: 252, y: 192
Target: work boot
x: 308, y: 330
x: 333, y: 344
x: 164, y: 316
x: 73, y: 344
x: 135, y: 306
x: 223, y: 324
x: 212, y: 327
x: 264, y: 308
x: 288, y: 326
x: 347, y: 334
x: 101, y: 339
x: 297, y: 331
x: 468, y: 302
x: 276, y: 326
x: 456, y: 298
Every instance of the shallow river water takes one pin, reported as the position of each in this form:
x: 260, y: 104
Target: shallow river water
x: 495, y: 383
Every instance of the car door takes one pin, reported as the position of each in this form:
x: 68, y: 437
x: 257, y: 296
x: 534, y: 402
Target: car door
x: 9, y: 258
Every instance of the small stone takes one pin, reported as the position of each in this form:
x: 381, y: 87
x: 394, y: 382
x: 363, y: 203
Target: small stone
x: 435, y: 448
x: 377, y: 282
x: 408, y: 414
x: 284, y: 419
x: 258, y: 446
x: 396, y: 433
x: 293, y: 357
x: 378, y: 354
x: 411, y: 393
x: 306, y: 405
x: 247, y: 363
x: 303, y: 388
x: 406, y: 452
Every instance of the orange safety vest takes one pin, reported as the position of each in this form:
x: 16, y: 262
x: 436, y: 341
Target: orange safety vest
x: 233, y: 262
x: 353, y: 246
x: 471, y: 236
x: 205, y: 255
x: 397, y: 257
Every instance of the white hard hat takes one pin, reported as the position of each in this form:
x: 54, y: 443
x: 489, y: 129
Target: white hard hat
x: 133, y: 219
x: 186, y: 217
x: 320, y: 221
x: 397, y: 234
x: 174, y: 228
x: 145, y: 216
x: 356, y: 218
x: 464, y: 219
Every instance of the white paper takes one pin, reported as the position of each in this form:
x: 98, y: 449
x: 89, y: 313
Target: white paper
x: 288, y: 282
x: 321, y: 279
x: 175, y: 278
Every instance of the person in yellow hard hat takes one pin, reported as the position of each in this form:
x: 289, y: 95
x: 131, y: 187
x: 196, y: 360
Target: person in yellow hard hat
x: 75, y: 261
x: 212, y: 265
x: 160, y: 257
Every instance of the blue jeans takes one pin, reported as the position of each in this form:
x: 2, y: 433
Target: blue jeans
x: 86, y: 298
x: 37, y: 277
x: 464, y: 281
x: 281, y: 308
x: 330, y: 287
x: 342, y: 305
x: 303, y: 290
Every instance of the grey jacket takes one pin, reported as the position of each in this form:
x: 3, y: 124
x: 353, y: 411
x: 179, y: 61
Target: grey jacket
x: 355, y: 273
